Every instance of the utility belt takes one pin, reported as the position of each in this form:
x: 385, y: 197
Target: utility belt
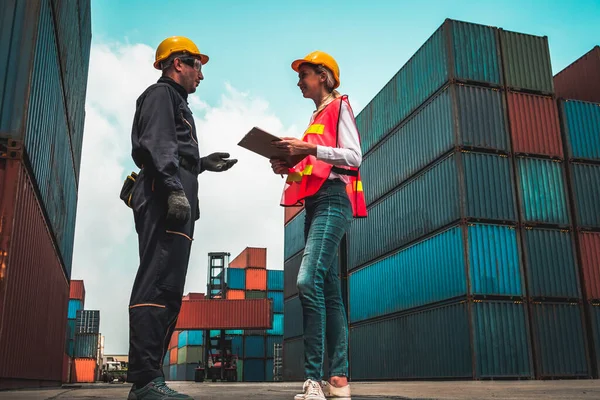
x: 127, y: 188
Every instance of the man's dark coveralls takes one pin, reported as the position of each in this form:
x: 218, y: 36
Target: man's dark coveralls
x: 165, y: 147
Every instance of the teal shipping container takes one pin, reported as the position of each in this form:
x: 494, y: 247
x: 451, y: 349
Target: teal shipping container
x: 581, y: 124
x: 277, y: 298
x: 74, y: 306
x: 274, y: 280
x: 585, y: 179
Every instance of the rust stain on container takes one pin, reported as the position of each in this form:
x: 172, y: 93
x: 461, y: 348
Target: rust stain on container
x: 535, y: 128
x: 236, y: 295
x: 225, y: 314
x: 251, y: 257
x: 290, y: 213
x: 256, y: 279
x: 33, y: 288
x: 581, y: 79
x: 589, y: 244
x: 84, y: 370
x: 77, y: 291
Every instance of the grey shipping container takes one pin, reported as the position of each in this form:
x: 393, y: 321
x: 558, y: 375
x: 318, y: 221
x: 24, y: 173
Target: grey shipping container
x: 293, y: 361
x: 292, y: 318
x: 464, y: 185
x: 436, y: 343
x: 459, y: 115
x: 294, y: 236
x: 456, y: 51
x: 585, y: 180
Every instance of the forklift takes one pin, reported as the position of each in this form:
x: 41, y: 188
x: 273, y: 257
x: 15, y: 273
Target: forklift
x: 221, y: 364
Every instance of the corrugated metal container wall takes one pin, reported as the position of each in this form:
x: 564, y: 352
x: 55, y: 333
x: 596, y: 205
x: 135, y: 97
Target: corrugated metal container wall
x: 254, y: 370
x: 47, y: 139
x: 580, y: 80
x: 526, y: 62
x: 290, y: 275
x: 581, y: 124
x: 87, y: 321
x: 501, y: 339
x: 271, y: 342
x: 66, y: 369
x: 86, y: 345
x: 236, y: 294
x: 294, y: 236
x: 236, y: 278
x: 589, y: 244
x: 274, y: 280
x: 166, y: 372
x: 77, y: 290
x: 277, y: 325
x: 559, y: 339
x: 429, y: 343
x: 83, y: 371
x: 19, y: 24
x: 293, y: 325
x: 173, y: 372
x: 250, y: 257
x: 586, y: 188
x: 34, y: 292
x: 254, y: 347
x: 290, y: 212
x: 269, y: 370
x: 595, y: 322
x: 542, y: 189
x: 427, y: 70
x: 240, y: 370
x: 173, y: 355
x: 403, y: 217
x: 293, y: 360
x: 174, y: 341
x: 434, y: 270
x: 74, y: 306
x: 224, y: 314
x: 182, y: 339
x: 551, y: 266
x: 277, y: 298
x: 534, y: 124
x: 256, y: 294
x: 256, y: 279
x: 237, y: 346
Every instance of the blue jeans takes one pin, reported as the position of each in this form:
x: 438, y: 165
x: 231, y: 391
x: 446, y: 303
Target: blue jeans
x: 328, y: 214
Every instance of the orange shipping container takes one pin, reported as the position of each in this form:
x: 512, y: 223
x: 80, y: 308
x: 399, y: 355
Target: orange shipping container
x: 77, y: 291
x: 225, y: 314
x: 173, y: 356
x: 290, y: 213
x: 256, y: 279
x: 84, y: 370
x: 236, y: 295
x: 251, y: 257
x: 174, y: 340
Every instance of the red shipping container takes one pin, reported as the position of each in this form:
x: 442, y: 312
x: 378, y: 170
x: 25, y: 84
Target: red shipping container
x: 580, y: 80
x: 256, y: 279
x: 66, y: 369
x: 83, y: 370
x: 290, y: 213
x: 589, y: 244
x: 194, y: 296
x: 225, y: 314
x: 251, y: 257
x: 173, y: 356
x: 34, y: 291
x: 77, y: 291
x: 174, y: 340
x: 534, y: 124
x: 236, y: 294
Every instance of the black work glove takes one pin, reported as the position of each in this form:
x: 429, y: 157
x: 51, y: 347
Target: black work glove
x: 179, y: 211
x: 217, y: 162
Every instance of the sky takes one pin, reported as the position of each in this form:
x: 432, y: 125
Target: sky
x: 249, y: 82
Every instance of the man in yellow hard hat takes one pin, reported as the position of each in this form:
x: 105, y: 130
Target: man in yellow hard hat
x: 164, y: 200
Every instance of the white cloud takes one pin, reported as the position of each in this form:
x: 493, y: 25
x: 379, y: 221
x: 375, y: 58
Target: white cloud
x: 238, y: 208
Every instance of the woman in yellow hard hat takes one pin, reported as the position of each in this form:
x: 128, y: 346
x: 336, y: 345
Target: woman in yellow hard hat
x: 327, y: 182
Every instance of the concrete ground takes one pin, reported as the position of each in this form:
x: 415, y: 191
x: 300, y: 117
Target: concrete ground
x: 464, y: 390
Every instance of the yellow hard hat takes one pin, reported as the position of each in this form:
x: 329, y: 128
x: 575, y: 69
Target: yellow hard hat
x: 320, y: 58
x: 177, y: 44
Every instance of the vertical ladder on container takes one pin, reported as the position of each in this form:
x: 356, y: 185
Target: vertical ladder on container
x: 278, y: 362
x: 216, y: 289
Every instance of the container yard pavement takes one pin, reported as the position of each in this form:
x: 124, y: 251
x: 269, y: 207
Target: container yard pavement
x: 465, y: 390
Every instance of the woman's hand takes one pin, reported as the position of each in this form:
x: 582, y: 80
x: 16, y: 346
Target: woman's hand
x: 293, y: 147
x: 279, y: 166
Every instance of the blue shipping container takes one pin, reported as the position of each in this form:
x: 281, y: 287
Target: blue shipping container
x: 237, y: 346
x: 254, y: 370
x: 586, y: 192
x: 271, y: 342
x: 542, y: 191
x: 457, y: 50
x: 86, y: 345
x: 234, y: 332
x: 173, y: 372
x: 435, y: 270
x: 292, y: 318
x: 190, y: 338
x: 71, y: 328
x: 277, y: 325
x: 294, y: 235
x: 277, y: 298
x: 275, y: 280
x: 432, y: 200
x: 269, y: 370
x: 166, y: 360
x: 581, y: 125
x: 236, y: 278
x: 74, y: 306
x: 254, y: 347
x: 551, y: 266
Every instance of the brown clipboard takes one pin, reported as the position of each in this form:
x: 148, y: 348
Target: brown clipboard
x: 260, y: 142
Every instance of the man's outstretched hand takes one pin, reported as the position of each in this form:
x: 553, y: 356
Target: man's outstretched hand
x: 218, y: 162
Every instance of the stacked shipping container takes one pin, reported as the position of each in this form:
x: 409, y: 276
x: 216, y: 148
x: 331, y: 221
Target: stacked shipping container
x: 39, y: 156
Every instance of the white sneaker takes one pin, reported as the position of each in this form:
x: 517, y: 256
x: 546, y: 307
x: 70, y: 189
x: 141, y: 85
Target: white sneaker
x: 331, y: 391
x: 312, y: 391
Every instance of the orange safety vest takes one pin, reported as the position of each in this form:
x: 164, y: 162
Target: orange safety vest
x: 306, y: 178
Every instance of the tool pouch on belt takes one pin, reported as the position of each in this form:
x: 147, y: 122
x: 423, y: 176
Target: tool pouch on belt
x: 127, y: 189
